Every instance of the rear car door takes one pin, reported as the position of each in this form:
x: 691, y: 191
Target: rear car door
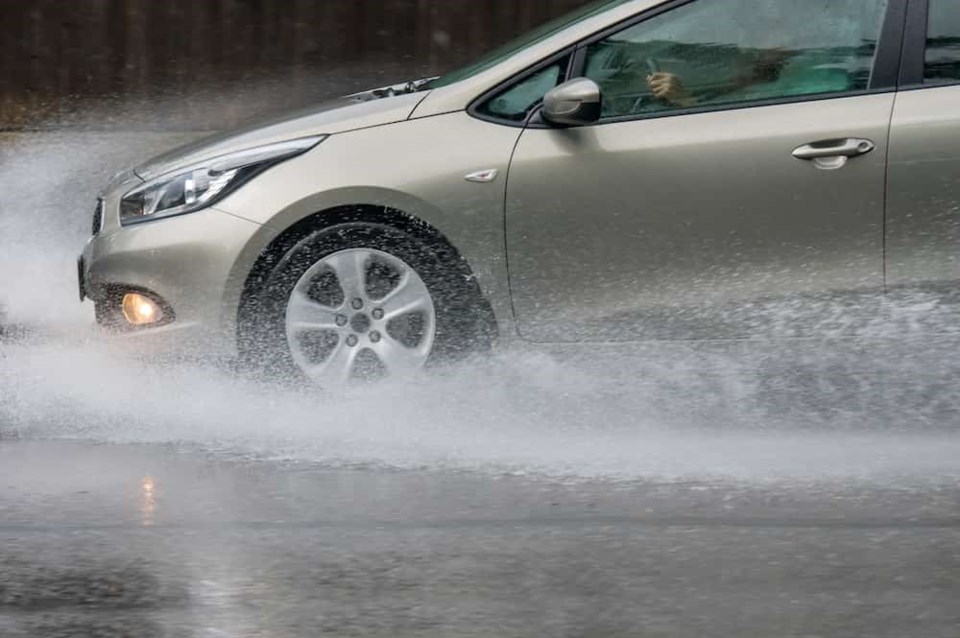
x: 923, y: 199
x: 722, y: 212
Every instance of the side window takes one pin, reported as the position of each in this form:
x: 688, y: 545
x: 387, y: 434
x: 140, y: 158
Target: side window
x: 942, y: 63
x: 516, y: 102
x: 715, y: 52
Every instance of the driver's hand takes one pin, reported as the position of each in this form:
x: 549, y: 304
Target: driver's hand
x: 669, y: 88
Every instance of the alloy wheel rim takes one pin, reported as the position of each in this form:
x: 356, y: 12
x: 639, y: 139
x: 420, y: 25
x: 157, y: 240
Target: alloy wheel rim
x: 360, y: 313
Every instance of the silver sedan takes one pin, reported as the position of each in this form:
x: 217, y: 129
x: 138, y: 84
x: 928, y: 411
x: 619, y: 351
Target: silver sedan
x: 641, y: 169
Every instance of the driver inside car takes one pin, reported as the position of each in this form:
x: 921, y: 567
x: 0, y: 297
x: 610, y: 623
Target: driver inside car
x: 636, y: 84
x: 669, y: 89
x: 748, y: 80
x: 632, y: 81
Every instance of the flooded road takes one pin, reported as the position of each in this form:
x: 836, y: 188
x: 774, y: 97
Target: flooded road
x: 523, y: 496
x: 107, y: 540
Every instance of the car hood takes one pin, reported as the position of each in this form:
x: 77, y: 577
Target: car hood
x: 361, y: 110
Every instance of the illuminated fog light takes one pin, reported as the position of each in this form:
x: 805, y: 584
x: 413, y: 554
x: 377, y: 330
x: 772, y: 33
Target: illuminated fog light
x: 140, y: 310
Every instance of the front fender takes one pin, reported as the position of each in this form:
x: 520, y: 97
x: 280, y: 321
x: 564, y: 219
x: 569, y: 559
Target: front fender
x: 417, y: 167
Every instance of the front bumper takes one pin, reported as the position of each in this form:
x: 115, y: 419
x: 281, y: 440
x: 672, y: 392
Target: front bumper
x: 193, y: 263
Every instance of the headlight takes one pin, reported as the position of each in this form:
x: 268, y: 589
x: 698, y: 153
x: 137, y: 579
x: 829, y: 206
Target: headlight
x: 194, y: 187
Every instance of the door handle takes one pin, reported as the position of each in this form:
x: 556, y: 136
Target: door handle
x: 848, y: 147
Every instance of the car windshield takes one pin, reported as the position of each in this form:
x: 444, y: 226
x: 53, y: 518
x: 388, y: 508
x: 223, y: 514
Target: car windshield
x: 500, y: 54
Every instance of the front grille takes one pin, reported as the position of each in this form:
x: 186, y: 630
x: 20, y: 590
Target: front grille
x: 98, y: 217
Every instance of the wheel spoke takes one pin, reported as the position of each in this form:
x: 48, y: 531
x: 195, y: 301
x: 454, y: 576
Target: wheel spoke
x: 303, y: 313
x: 337, y: 367
x: 409, y: 295
x: 351, y: 270
x: 398, y: 359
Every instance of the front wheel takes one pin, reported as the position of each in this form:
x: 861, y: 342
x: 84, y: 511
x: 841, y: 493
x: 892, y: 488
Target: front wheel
x: 361, y: 301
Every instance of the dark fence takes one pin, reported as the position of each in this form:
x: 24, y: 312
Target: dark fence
x: 207, y: 63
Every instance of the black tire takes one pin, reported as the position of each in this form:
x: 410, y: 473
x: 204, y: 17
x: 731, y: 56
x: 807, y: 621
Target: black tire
x: 464, y: 319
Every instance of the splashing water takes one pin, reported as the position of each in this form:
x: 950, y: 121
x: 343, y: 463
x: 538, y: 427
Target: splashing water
x: 873, y: 411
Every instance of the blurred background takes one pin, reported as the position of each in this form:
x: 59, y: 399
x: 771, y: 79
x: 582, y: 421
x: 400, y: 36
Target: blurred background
x: 209, y: 64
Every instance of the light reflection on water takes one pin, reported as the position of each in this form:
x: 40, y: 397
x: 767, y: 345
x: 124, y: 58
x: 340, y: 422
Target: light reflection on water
x: 148, y: 502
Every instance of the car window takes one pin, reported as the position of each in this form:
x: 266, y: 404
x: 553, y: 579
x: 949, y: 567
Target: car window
x: 714, y: 52
x: 516, y: 102
x: 942, y: 62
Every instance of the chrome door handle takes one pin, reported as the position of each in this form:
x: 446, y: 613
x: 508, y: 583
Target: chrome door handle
x: 849, y: 147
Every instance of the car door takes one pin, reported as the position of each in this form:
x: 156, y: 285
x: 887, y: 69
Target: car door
x: 923, y: 200
x: 733, y: 209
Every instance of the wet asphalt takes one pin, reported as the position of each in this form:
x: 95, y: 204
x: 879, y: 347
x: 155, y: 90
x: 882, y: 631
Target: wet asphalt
x: 148, y: 540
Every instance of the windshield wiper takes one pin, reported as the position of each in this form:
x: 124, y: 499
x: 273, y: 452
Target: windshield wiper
x: 392, y: 90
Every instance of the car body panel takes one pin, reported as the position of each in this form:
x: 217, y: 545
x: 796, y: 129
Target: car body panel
x: 331, y: 117
x: 609, y: 226
x: 376, y: 167
x: 923, y: 201
x: 189, y: 262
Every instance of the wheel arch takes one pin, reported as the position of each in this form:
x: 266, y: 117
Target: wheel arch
x: 373, y: 213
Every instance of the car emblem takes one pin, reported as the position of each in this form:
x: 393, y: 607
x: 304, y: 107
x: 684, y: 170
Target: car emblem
x: 483, y: 177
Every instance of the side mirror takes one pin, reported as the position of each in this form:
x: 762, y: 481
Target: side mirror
x: 573, y: 103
